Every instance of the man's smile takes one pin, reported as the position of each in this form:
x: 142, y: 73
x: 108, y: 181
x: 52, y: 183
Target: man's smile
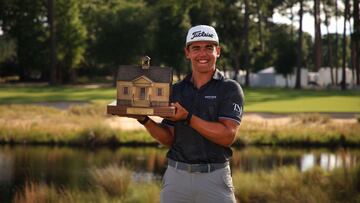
x: 203, y: 61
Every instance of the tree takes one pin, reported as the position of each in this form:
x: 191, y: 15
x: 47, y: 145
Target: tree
x: 71, y: 37
x: 285, y: 48
x: 53, y: 68
x: 356, y: 40
x: 299, y: 48
x: 318, y: 45
x: 326, y: 8
x: 246, y: 42
x: 122, y: 36
x: 171, y: 26
x: 346, y: 14
x: 26, y: 25
x: 336, y: 43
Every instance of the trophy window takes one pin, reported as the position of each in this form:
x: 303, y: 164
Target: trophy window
x: 159, y: 92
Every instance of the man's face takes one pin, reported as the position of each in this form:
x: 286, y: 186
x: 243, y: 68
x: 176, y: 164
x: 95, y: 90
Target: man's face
x: 202, y: 55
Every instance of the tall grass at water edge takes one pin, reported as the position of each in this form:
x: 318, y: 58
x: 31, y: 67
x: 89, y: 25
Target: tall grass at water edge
x: 109, y: 184
x: 287, y: 184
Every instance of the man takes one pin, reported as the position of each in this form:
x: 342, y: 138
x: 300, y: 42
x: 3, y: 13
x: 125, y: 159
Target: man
x: 208, y: 114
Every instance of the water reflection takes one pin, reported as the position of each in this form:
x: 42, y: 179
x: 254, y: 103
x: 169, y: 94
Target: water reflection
x: 69, y: 167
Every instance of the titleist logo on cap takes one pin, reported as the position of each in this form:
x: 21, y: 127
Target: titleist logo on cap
x: 201, y: 34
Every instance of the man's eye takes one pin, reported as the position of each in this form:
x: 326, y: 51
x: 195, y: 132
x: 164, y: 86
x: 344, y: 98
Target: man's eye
x: 210, y: 48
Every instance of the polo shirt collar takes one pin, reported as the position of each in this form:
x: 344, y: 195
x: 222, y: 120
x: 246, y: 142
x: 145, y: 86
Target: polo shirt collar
x: 217, y: 76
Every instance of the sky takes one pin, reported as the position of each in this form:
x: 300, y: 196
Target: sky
x: 308, y: 24
x: 308, y: 21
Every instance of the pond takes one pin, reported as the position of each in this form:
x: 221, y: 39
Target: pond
x: 69, y: 167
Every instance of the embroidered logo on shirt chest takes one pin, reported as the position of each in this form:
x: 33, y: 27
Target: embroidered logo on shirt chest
x: 210, y: 97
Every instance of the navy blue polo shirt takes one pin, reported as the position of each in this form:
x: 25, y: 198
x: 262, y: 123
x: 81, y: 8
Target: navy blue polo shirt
x: 219, y: 98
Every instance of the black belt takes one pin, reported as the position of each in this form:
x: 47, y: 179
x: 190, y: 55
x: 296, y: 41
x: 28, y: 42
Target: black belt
x: 197, y: 168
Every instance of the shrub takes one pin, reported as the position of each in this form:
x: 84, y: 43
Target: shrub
x: 112, y: 180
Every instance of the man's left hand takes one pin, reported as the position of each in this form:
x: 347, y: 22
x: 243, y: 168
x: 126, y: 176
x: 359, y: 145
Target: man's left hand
x: 180, y: 112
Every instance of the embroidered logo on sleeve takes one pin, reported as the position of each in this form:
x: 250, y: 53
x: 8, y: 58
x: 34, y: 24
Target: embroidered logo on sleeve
x: 238, y: 108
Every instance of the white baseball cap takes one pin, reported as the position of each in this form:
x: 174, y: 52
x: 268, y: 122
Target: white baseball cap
x: 202, y: 33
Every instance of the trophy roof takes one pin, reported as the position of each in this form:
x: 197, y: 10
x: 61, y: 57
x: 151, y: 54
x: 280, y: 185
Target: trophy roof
x: 154, y: 73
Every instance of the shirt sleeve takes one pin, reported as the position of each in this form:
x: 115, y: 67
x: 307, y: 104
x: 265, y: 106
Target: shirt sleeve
x: 168, y: 122
x: 232, y: 104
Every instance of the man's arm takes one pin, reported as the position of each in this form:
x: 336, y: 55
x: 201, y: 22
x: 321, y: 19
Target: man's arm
x: 222, y: 132
x: 162, y: 133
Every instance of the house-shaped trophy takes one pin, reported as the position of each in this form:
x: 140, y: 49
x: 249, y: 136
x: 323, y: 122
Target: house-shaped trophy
x: 142, y: 90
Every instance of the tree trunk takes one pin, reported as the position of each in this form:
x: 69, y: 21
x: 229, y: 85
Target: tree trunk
x: 236, y: 65
x: 292, y: 22
x: 356, y: 38
x: 262, y: 46
x: 343, y: 80
x: 318, y: 45
x: 329, y: 44
x: 246, y: 43
x: 53, y: 63
x: 299, y: 48
x: 336, y: 45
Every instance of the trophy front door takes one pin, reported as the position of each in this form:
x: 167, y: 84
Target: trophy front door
x: 141, y: 97
x: 142, y: 93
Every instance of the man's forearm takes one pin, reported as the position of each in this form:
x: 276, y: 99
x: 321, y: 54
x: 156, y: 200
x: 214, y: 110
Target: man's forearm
x: 161, y: 133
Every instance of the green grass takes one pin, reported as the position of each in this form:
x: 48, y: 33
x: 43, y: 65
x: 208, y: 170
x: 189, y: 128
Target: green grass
x: 278, y: 100
x: 23, y: 95
x: 273, y: 100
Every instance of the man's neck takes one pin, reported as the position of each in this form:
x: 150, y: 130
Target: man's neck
x: 200, y: 79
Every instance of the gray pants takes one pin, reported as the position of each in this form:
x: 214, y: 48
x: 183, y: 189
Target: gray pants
x: 182, y: 186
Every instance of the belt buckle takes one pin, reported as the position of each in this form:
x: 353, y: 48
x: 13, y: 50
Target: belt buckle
x: 188, y: 168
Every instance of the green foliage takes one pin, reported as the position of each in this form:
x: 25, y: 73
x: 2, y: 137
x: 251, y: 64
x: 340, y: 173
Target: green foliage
x: 94, y: 37
x: 285, y: 49
x: 70, y: 36
x: 24, y: 21
x: 123, y: 35
x: 172, y: 22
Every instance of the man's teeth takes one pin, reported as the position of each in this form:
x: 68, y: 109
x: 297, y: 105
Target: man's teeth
x: 203, y: 61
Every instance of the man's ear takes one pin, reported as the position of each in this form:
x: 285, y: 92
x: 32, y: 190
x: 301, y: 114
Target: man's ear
x: 186, y: 50
x: 218, y: 51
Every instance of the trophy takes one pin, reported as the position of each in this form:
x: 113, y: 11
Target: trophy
x: 142, y: 90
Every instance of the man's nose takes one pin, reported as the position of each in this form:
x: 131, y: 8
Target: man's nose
x: 202, y: 51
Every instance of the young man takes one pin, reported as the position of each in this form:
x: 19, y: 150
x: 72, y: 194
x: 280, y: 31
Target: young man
x: 208, y: 113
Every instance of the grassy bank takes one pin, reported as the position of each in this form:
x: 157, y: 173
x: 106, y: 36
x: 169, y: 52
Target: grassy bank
x: 109, y: 184
x: 288, y: 184
x: 88, y: 125
x: 275, y: 100
x: 302, y: 130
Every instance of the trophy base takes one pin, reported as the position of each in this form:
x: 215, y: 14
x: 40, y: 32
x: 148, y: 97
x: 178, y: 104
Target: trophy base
x: 114, y: 109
